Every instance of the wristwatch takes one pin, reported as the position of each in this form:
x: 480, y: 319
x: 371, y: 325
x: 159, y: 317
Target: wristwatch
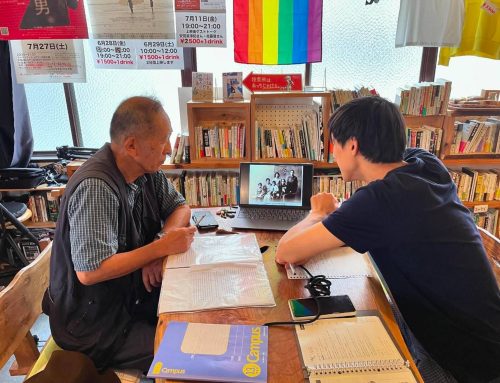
x: 159, y: 235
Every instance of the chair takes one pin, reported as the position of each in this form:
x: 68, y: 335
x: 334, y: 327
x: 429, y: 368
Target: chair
x: 20, y: 306
x: 492, y: 246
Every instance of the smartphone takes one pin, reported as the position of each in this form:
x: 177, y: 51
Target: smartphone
x: 330, y: 307
x: 204, y: 220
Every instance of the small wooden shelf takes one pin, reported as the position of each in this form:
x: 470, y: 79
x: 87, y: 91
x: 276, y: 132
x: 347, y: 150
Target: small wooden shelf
x: 472, y: 160
x: 38, y: 188
x: 45, y: 225
x: 222, y: 114
x: 229, y: 164
x: 491, y: 204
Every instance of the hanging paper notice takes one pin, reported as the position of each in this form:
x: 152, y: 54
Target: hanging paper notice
x: 44, y: 61
x: 42, y: 19
x: 131, y: 19
x: 200, y: 23
x: 113, y: 54
x: 201, y: 29
x: 137, y: 54
x: 159, y: 54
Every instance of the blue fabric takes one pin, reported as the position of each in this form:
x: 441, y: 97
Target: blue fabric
x: 426, y: 245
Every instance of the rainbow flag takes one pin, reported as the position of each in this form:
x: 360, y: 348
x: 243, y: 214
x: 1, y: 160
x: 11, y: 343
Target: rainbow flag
x: 277, y: 31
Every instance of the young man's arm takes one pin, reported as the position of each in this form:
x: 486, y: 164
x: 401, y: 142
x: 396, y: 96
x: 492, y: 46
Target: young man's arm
x: 309, y: 237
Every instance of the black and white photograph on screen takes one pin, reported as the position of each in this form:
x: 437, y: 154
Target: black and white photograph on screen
x: 279, y: 184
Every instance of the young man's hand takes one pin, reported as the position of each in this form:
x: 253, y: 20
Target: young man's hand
x: 323, y: 204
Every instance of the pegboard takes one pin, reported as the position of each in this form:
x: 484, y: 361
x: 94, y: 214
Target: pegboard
x: 283, y: 116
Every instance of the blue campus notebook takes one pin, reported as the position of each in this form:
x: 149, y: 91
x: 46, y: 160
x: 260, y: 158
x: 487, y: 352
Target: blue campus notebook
x: 212, y: 352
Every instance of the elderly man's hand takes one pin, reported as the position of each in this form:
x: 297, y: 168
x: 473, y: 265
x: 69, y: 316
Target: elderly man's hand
x: 152, y: 274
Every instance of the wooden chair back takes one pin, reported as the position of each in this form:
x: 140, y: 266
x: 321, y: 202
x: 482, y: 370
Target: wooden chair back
x: 492, y: 247
x: 20, y: 306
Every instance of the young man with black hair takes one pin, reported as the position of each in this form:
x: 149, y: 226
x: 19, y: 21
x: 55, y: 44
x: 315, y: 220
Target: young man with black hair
x: 421, y: 238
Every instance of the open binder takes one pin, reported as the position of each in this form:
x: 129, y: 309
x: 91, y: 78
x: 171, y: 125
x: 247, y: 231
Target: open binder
x: 351, y: 350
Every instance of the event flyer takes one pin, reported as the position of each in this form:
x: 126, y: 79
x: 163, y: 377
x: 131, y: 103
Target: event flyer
x: 42, y: 19
x: 42, y: 61
x: 131, y: 19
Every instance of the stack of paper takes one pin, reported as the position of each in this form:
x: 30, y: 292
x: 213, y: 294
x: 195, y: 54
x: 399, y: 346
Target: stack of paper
x: 216, y: 272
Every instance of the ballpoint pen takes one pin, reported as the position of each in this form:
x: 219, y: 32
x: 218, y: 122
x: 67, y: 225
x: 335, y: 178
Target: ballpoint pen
x: 292, y: 268
x: 197, y: 222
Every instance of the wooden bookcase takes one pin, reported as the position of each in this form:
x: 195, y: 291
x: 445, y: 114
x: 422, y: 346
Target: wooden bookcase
x: 478, y: 161
x: 222, y: 115
x: 282, y: 110
x: 56, y: 192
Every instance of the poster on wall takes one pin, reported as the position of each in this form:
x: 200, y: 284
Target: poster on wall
x: 159, y: 54
x: 48, y: 61
x: 131, y: 19
x: 136, y: 54
x: 200, y: 23
x: 42, y: 19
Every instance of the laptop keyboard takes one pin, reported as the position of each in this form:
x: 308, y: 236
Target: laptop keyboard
x: 273, y: 214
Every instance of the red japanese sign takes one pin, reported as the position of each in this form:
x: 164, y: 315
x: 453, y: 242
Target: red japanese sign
x: 187, y: 5
x: 42, y: 19
x: 273, y: 82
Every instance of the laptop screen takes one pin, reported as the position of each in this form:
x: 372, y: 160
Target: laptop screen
x: 280, y: 185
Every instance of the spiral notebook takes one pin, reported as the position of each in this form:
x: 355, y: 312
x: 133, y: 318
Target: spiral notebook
x: 342, y: 262
x: 351, y: 350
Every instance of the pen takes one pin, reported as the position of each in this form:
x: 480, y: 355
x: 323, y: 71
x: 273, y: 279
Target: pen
x: 198, y: 221
x: 292, y: 268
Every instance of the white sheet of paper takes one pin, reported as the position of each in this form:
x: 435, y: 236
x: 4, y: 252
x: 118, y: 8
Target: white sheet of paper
x: 205, y: 287
x: 217, y: 249
x: 343, y: 262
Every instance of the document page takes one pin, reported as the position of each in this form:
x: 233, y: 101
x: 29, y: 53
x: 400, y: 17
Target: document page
x: 216, y: 249
x: 340, y: 342
x: 343, y: 262
x: 400, y: 376
x: 225, y: 285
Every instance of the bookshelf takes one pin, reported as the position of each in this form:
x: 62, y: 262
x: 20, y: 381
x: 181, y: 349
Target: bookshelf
x: 478, y: 162
x: 219, y: 133
x: 43, y: 202
x: 277, y: 127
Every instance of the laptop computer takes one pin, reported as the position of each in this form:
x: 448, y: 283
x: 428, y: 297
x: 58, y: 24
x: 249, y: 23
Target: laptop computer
x: 273, y: 196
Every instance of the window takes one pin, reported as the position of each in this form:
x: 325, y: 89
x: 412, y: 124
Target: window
x: 98, y: 98
x: 49, y: 120
x: 359, y: 48
x: 218, y: 60
x: 470, y: 74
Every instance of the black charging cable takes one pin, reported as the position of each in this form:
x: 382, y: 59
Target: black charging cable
x: 318, y: 286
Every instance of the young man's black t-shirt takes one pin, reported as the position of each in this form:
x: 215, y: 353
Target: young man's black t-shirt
x: 426, y: 245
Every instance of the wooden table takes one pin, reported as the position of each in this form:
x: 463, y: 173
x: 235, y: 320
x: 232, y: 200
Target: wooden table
x: 284, y: 364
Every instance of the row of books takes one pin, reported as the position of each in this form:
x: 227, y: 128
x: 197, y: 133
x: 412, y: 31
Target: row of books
x: 207, y: 188
x: 301, y: 141
x: 180, y: 151
x: 425, y: 99
x: 44, y: 206
x: 473, y: 136
x: 220, y: 141
x: 487, y: 220
x: 476, y: 185
x: 342, y: 96
x: 425, y: 137
x: 336, y: 185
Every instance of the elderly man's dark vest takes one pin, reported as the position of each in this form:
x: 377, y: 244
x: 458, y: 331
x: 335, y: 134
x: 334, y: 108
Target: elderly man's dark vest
x: 95, y: 319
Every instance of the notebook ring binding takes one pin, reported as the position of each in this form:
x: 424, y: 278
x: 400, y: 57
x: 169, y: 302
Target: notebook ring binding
x: 361, y: 366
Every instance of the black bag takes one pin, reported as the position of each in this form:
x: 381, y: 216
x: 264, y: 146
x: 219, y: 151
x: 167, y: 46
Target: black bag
x: 21, y: 178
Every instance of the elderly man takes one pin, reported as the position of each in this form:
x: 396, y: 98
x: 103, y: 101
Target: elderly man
x: 106, y: 265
